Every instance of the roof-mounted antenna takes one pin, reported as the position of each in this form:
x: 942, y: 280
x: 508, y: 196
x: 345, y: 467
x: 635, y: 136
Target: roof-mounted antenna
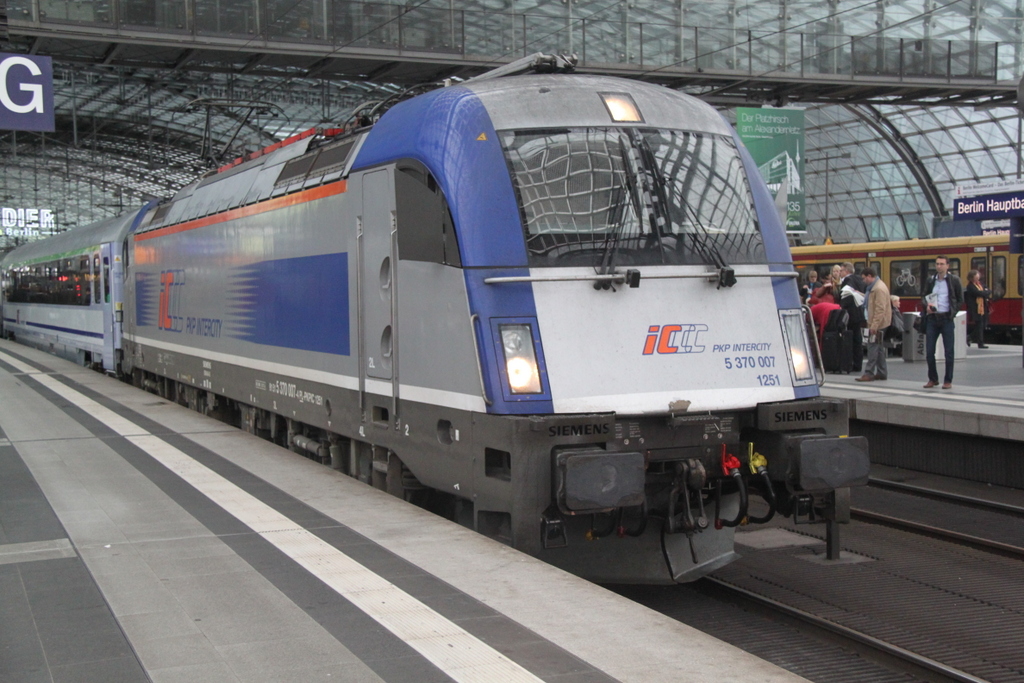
x: 537, y: 63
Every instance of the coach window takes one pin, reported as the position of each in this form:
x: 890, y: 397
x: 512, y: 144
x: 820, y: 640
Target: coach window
x: 905, y: 278
x: 426, y: 231
x: 106, y: 279
x: 80, y: 282
x: 998, y: 277
x: 980, y: 264
x: 877, y: 267
x: 9, y: 286
x: 94, y: 277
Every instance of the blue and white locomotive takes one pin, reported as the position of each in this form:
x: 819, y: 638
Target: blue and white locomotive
x: 559, y: 307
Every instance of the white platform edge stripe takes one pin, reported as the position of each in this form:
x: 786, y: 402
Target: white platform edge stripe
x: 449, y: 647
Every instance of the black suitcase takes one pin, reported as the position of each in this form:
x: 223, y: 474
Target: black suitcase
x: 858, y: 350
x: 849, y: 350
x: 831, y: 346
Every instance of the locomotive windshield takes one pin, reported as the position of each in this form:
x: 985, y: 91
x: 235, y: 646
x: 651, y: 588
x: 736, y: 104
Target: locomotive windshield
x: 632, y: 196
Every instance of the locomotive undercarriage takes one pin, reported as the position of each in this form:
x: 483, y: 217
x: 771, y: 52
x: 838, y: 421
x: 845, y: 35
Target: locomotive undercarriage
x: 652, y: 499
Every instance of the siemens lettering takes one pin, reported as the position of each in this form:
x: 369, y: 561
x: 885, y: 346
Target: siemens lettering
x: 800, y: 415
x: 26, y: 93
x: 578, y: 430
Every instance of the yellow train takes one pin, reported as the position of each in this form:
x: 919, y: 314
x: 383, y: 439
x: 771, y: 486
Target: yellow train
x: 906, y: 265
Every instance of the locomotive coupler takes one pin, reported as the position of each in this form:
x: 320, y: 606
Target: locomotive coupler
x: 690, y: 476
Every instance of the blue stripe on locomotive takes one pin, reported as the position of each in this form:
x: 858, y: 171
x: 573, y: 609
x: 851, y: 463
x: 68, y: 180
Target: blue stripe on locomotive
x: 270, y: 303
x: 450, y: 132
x: 776, y: 247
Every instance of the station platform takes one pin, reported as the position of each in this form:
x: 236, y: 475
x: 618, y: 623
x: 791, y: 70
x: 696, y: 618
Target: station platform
x: 986, y: 399
x: 140, y: 541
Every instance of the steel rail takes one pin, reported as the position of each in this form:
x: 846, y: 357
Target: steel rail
x: 975, y: 542
x: 912, y: 659
x: 946, y: 495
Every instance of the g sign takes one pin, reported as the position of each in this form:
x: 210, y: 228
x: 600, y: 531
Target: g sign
x: 26, y: 93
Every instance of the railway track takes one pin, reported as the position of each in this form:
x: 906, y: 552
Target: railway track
x: 942, y: 532
x: 881, y: 652
x: 918, y: 596
x: 946, y: 495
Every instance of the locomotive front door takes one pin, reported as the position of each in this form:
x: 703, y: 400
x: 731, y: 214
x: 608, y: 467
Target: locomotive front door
x: 377, y: 286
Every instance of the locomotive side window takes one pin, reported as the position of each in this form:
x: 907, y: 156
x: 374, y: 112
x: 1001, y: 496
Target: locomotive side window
x: 632, y: 196
x: 426, y: 231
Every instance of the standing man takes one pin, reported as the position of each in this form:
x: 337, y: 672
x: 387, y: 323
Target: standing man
x: 943, y: 296
x: 879, y: 318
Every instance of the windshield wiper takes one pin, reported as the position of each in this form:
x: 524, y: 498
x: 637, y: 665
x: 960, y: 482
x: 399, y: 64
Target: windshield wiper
x: 704, y: 243
x: 657, y: 207
x: 621, y: 196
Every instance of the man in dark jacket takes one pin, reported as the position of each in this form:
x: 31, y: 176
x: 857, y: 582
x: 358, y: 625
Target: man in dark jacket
x: 854, y: 307
x: 943, y: 296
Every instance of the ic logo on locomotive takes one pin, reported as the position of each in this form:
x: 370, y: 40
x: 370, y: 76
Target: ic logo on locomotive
x: 668, y: 339
x: 168, y: 319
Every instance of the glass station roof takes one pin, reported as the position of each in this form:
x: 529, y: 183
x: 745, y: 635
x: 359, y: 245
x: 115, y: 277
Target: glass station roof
x: 151, y: 93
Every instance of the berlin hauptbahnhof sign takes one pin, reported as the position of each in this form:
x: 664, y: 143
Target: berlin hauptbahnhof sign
x: 986, y: 202
x: 26, y: 92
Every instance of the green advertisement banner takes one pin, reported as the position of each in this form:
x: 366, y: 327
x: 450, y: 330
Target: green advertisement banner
x: 775, y: 138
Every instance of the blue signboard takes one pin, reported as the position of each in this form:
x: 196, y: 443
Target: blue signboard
x: 26, y: 92
x: 989, y: 206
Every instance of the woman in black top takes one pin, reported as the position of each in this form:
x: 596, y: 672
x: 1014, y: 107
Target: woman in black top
x: 976, y: 297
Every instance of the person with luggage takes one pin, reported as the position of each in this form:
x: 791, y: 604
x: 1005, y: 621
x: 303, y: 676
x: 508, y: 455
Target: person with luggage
x: 977, y: 296
x: 943, y: 296
x: 836, y: 340
x: 820, y: 313
x: 879, y: 317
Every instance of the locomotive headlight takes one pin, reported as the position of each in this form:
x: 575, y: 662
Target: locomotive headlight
x: 520, y: 359
x: 795, y: 333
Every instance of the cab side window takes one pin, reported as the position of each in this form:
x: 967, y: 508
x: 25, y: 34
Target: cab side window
x: 426, y: 231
